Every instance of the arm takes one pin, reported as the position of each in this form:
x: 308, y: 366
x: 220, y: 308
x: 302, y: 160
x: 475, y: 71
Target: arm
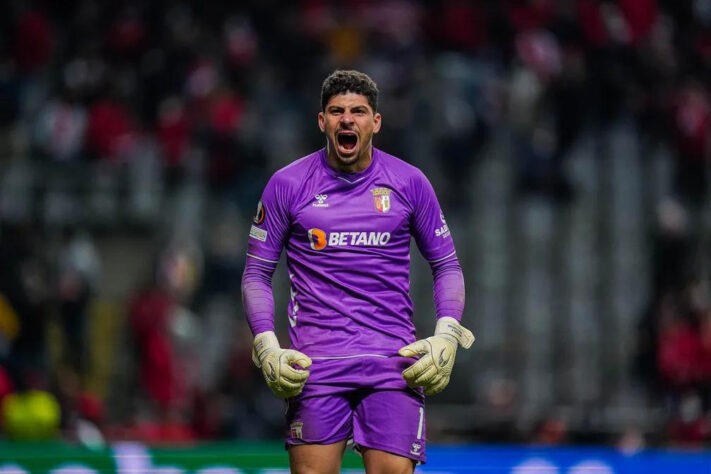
x: 448, y: 288
x: 257, y: 297
x: 267, y: 237
x: 438, y: 352
x: 434, y: 368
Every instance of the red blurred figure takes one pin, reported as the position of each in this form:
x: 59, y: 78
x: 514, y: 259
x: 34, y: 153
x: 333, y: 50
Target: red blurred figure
x: 173, y: 132
x: 6, y: 385
x: 150, y: 318
x: 678, y: 353
x: 33, y: 41
x: 110, y: 131
x: 530, y: 14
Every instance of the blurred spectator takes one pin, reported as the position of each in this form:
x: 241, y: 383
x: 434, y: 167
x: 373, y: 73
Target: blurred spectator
x: 551, y: 431
x: 159, y: 377
x: 690, y: 427
x: 25, y: 281
x: 691, y: 130
x: 78, y: 273
x: 60, y: 128
x: 110, y: 130
x: 33, y: 41
x: 174, y: 136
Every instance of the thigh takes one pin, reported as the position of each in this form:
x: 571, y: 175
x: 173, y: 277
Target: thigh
x: 392, y: 421
x: 316, y: 458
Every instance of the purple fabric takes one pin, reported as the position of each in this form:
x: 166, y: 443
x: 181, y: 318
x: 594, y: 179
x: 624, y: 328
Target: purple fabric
x: 347, y: 240
x: 448, y: 289
x: 388, y: 420
x: 257, y: 297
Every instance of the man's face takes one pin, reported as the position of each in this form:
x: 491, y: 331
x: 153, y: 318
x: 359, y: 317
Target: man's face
x: 349, y: 123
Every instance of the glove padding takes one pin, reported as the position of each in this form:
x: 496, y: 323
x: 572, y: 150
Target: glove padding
x: 276, y: 364
x: 434, y: 368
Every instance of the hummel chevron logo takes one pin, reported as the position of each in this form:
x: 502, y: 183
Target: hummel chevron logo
x: 321, y: 198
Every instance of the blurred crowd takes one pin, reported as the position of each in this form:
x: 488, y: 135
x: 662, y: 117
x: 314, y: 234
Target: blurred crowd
x: 161, y: 99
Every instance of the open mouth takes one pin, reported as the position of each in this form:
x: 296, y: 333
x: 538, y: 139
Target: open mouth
x: 347, y: 140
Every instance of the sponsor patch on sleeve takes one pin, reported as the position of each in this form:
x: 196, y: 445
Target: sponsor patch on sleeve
x: 257, y: 233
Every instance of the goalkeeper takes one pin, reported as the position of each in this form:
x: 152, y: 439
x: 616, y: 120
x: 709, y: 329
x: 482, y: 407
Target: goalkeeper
x: 355, y: 370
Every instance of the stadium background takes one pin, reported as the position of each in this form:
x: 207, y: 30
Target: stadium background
x: 568, y: 141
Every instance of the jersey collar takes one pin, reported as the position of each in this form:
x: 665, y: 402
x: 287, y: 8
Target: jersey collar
x: 351, y: 178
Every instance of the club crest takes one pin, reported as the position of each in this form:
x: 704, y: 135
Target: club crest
x: 296, y: 430
x: 381, y: 197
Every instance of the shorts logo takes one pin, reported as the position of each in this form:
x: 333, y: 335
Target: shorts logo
x: 259, y: 216
x: 317, y: 239
x: 296, y: 430
x: 381, y: 196
x: 320, y: 198
x: 416, y: 449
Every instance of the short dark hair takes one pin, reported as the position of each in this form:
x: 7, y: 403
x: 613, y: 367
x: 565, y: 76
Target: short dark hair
x: 342, y: 81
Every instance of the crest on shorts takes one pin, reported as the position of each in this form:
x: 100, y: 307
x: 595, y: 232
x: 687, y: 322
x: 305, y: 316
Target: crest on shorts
x: 381, y: 197
x: 296, y: 430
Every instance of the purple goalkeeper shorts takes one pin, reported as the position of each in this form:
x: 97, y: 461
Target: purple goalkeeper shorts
x: 363, y: 399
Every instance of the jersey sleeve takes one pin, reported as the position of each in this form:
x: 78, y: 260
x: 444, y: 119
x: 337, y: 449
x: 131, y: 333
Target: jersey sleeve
x: 270, y: 225
x: 430, y: 230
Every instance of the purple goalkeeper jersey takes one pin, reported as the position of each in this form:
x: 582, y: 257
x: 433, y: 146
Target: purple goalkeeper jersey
x: 347, y: 241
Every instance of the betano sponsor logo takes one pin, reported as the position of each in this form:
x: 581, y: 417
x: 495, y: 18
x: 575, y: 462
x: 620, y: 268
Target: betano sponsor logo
x: 319, y: 239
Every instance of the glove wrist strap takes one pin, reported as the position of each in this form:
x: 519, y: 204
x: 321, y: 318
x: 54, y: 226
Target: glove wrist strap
x: 263, y: 343
x: 448, y: 326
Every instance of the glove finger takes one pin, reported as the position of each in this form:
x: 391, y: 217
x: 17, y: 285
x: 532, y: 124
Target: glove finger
x: 418, y: 371
x: 296, y: 357
x: 416, y: 348
x: 418, y: 367
x: 435, y: 389
x: 285, y: 385
x: 427, y: 378
x: 294, y: 375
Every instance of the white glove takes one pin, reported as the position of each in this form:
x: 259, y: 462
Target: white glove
x: 434, y: 368
x: 283, y: 379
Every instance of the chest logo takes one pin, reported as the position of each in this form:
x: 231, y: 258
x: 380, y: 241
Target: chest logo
x: 320, y: 200
x: 381, y: 197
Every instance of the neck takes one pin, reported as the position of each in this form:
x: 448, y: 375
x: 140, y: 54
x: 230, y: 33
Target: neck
x: 361, y: 163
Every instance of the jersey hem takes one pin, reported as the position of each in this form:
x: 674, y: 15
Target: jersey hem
x: 348, y: 356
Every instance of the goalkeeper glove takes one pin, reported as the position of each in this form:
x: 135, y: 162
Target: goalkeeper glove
x: 434, y: 368
x: 276, y: 364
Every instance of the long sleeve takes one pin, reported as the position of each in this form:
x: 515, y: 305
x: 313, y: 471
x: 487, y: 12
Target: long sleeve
x: 434, y: 239
x: 267, y: 235
x: 449, y: 293
x: 257, y: 297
